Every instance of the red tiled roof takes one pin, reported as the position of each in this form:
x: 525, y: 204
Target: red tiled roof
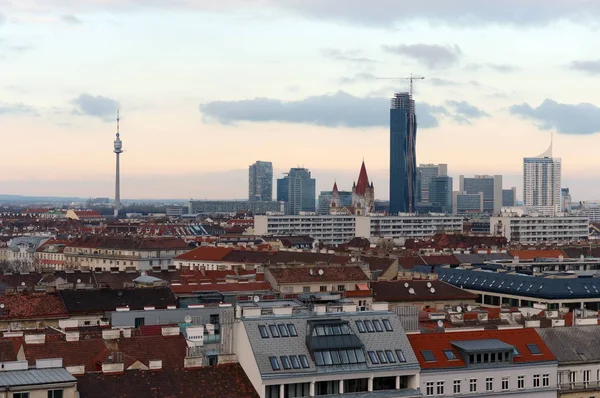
x: 533, y: 254
x: 32, y: 306
x: 438, y: 342
x: 330, y: 274
x: 220, y: 287
x: 409, y: 262
x: 228, y: 380
x: 87, y: 214
x: 363, y: 180
x: 130, y: 243
x: 395, y: 291
x: 205, y: 253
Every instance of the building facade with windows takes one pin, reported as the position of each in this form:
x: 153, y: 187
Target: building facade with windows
x: 542, y: 183
x: 490, y: 186
x: 483, y: 363
x: 288, y: 350
x: 260, y: 181
x: 526, y: 229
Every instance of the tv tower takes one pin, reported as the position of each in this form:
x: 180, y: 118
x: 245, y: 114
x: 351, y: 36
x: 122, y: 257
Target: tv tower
x: 118, y: 150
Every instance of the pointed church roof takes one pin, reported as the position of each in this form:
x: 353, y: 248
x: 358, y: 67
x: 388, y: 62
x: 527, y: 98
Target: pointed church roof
x: 335, y: 188
x: 363, y: 180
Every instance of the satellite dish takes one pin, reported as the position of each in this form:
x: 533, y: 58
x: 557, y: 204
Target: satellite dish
x: 432, y: 290
x: 406, y: 284
x: 428, y: 284
x: 187, y: 319
x: 459, y: 309
x: 78, y: 280
x: 440, y: 323
x: 353, y: 259
x: 22, y: 283
x: 321, y: 272
x: 1, y: 305
x: 256, y: 299
x: 411, y: 290
x: 143, y: 273
x: 469, y: 308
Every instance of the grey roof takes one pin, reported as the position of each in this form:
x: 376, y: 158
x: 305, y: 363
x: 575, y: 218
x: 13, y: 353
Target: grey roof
x: 545, y: 287
x: 263, y: 348
x: 32, y: 242
x: 482, y: 345
x: 477, y: 258
x: 577, y: 344
x: 147, y: 279
x: 35, y: 377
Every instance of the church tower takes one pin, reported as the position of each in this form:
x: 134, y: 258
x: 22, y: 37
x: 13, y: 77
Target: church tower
x: 363, y: 193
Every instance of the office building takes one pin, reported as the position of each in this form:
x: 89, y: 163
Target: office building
x: 298, y: 189
x: 336, y: 229
x: 440, y: 194
x: 490, y: 186
x: 509, y: 197
x: 542, y: 184
x: 547, y: 229
x: 467, y: 203
x: 234, y: 206
x: 565, y: 196
x: 425, y: 172
x: 591, y: 210
x: 326, y: 197
x: 403, y: 134
x: 260, y: 181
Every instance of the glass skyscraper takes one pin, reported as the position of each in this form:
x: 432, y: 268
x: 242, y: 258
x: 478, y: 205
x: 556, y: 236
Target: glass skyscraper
x: 260, y: 181
x: 403, y: 164
x: 542, y: 184
x: 298, y: 189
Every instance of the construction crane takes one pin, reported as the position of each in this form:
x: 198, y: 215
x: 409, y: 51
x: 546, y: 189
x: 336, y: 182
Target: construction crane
x: 411, y: 135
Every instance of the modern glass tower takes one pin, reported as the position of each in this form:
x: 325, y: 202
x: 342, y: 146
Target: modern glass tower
x: 301, y: 190
x: 542, y: 184
x: 260, y: 181
x: 403, y: 164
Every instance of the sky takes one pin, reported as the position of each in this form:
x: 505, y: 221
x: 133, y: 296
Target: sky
x: 206, y: 88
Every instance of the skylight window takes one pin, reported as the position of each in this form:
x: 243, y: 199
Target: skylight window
x: 274, y: 330
x: 534, y: 349
x: 319, y: 358
x: 285, y: 361
x: 295, y: 362
x: 327, y: 358
x: 388, y: 325
x: 369, y: 326
x: 304, y: 361
x: 428, y: 355
x: 274, y: 363
x: 373, y: 357
x: 335, y: 357
x: 382, y: 357
x: 390, y: 356
x: 516, y: 352
x: 292, y: 330
x: 450, y: 355
x: 344, y: 357
x: 400, y: 355
x: 377, y: 325
x: 263, y: 331
x: 283, y: 331
x: 345, y: 329
x: 360, y: 326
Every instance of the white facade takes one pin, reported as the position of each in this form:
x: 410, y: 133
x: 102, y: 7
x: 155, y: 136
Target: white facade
x: 591, y: 211
x: 540, y: 229
x: 336, y: 229
x: 542, y: 184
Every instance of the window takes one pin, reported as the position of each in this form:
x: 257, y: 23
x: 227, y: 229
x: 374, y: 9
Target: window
x: 387, y: 325
x: 440, y: 388
x: 322, y: 288
x: 400, y: 355
x: 292, y: 330
x: 360, y: 355
x: 369, y: 326
x: 536, y: 381
x: 274, y: 331
x: 319, y: 358
x: 428, y: 355
x: 450, y: 355
x: 274, y: 363
x: 335, y: 357
x: 295, y: 362
x: 489, y: 384
x: 586, y: 378
x: 373, y: 357
x: 305, y: 289
x: 20, y: 395
x: 263, y: 331
x: 505, y: 385
x: 360, y: 326
x: 285, y: 361
x: 214, y: 319
x: 429, y: 388
x: 344, y: 357
x: 138, y: 322
x: 341, y: 288
x: 516, y: 352
x: 473, y: 385
x: 521, y: 382
x: 283, y: 331
x: 304, y: 361
x: 382, y: 357
x: 534, y: 349
x: 327, y: 358
x: 390, y: 356
x: 456, y: 385
x: 546, y: 379
x: 377, y: 325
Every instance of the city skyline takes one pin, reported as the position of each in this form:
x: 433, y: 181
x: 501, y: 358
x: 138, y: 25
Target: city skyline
x: 187, y: 85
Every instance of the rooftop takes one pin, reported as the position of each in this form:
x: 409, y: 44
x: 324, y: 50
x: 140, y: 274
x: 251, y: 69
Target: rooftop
x: 422, y: 290
x: 319, y: 275
x: 102, y: 300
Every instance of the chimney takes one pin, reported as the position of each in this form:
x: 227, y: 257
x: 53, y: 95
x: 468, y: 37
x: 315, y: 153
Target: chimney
x: 155, y: 364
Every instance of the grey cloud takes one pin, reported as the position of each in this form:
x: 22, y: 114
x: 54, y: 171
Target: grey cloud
x: 357, y: 78
x: 16, y: 109
x: 71, y: 19
x: 329, y: 110
x: 348, y: 56
x: 501, y: 68
x: 583, y: 118
x: 2, y: 18
x: 467, y: 110
x: 436, y: 81
x: 591, y: 67
x: 431, y: 55
x: 97, y: 106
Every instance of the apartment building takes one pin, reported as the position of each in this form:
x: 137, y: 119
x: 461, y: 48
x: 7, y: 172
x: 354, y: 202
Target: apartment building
x: 288, y: 350
x: 483, y: 363
x: 530, y: 230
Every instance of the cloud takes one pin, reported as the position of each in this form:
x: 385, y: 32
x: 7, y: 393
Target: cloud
x: 518, y: 13
x: 2, y: 18
x: 16, y: 109
x: 583, y: 118
x: 97, y: 106
x: 71, y: 19
x: 348, y: 56
x: 329, y: 110
x: 501, y: 68
x: 357, y: 78
x: 431, y: 55
x: 591, y: 67
x: 467, y: 110
x: 436, y: 81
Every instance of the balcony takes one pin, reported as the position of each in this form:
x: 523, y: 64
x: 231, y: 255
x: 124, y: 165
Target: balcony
x: 568, y: 388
